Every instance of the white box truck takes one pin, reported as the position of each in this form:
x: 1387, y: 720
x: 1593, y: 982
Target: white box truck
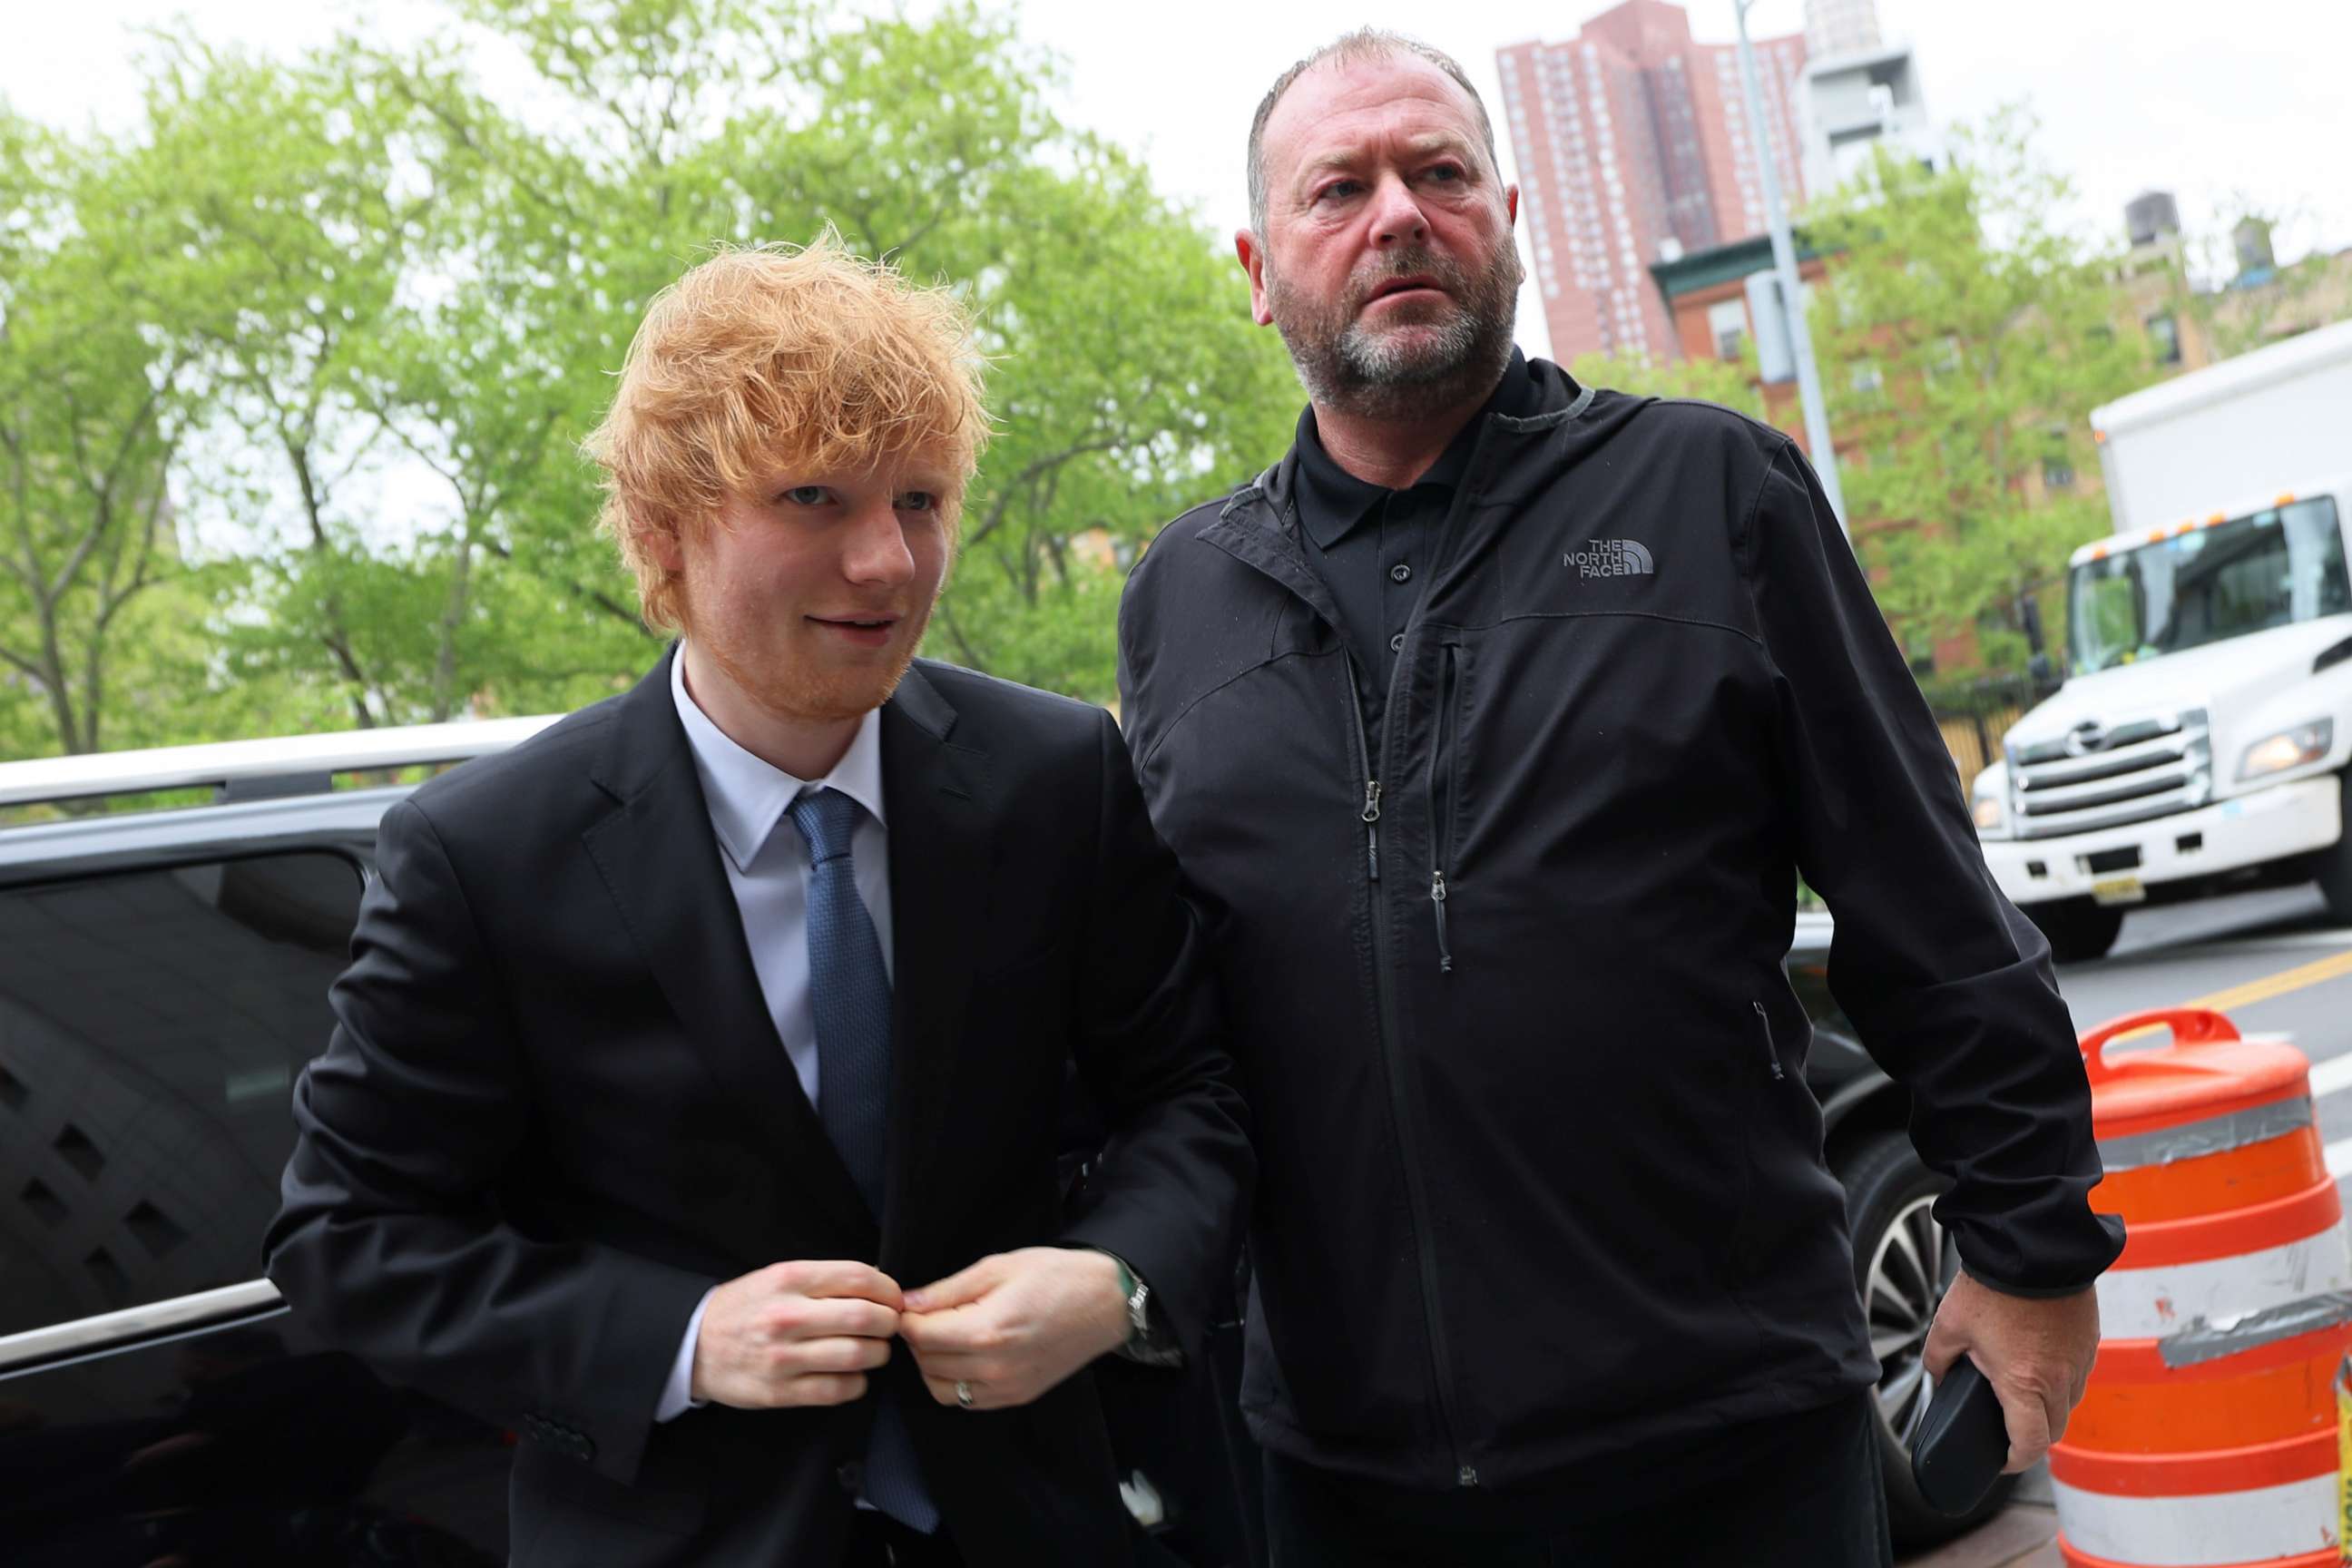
x: 2200, y: 742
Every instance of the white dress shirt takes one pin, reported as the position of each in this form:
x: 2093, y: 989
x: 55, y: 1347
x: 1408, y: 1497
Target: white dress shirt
x: 767, y: 864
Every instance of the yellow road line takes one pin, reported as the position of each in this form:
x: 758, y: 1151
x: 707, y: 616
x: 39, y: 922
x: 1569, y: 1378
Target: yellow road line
x: 2278, y: 984
x: 2263, y: 990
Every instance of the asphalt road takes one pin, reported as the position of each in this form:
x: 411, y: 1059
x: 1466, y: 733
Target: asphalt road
x: 2277, y: 967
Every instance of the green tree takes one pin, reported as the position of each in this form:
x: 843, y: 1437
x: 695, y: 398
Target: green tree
x: 366, y: 261
x: 1965, y: 336
x: 1128, y: 382
x: 286, y: 222
x: 90, y: 414
x: 1125, y: 377
x: 1731, y: 384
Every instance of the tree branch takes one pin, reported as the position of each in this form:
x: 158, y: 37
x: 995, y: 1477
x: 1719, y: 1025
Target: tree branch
x: 1030, y: 474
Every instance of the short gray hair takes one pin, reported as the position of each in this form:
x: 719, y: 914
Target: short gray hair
x: 1353, y: 48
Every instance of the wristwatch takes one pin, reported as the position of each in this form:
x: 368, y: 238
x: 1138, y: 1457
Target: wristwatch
x: 1138, y: 1303
x: 1147, y: 1343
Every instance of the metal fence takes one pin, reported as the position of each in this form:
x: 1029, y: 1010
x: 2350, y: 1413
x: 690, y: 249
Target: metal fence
x: 1973, y: 715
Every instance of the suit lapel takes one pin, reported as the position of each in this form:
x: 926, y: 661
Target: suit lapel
x: 937, y: 794
x: 661, y: 861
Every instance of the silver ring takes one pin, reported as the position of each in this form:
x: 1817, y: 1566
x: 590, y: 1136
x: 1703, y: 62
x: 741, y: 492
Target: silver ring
x: 963, y: 1394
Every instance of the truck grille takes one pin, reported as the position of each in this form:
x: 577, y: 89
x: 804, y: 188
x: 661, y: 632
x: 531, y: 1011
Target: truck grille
x: 2096, y: 776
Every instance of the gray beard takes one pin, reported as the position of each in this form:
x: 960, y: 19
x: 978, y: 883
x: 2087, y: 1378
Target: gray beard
x: 1371, y: 374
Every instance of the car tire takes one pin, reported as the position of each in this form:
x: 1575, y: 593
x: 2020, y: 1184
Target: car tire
x: 2334, y: 863
x: 1903, y: 1263
x: 2076, y: 928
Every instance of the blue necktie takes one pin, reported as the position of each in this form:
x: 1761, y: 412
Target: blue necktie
x: 849, y: 992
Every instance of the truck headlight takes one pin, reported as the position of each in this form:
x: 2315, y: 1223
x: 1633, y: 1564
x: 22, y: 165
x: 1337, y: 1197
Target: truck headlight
x: 1991, y: 814
x: 2288, y: 749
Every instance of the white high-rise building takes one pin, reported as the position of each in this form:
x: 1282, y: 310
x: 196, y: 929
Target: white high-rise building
x: 1840, y: 28
x: 1859, y: 90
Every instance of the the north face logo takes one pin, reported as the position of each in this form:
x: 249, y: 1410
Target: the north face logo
x: 1612, y: 558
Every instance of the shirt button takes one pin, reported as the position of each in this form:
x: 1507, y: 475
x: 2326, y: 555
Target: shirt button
x: 1396, y: 643
x: 852, y: 1477
x: 1400, y: 573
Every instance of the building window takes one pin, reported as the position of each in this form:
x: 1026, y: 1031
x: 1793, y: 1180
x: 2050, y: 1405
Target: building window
x: 2165, y: 333
x: 1727, y: 327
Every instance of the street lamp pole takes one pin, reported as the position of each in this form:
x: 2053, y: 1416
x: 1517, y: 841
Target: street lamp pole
x: 1792, y: 296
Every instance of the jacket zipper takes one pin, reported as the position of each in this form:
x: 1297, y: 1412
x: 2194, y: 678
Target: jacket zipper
x: 1371, y: 814
x: 1771, y: 1052
x: 1401, y: 1101
x: 1441, y: 809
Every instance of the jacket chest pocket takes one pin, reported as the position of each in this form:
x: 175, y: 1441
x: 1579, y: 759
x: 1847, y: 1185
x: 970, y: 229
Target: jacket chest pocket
x: 1634, y: 717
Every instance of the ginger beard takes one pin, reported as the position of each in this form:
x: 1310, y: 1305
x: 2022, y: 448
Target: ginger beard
x: 1421, y: 354
x: 773, y: 616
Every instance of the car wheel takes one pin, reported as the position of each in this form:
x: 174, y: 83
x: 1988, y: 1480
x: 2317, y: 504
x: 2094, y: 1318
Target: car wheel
x: 2077, y: 929
x: 2334, y: 864
x: 1904, y: 1262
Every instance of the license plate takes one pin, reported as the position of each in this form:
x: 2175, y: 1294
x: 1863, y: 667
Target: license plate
x: 2120, y: 890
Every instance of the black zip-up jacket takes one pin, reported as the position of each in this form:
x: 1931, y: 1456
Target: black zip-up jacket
x: 1540, y: 1180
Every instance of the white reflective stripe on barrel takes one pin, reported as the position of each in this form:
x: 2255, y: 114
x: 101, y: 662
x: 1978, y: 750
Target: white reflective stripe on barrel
x: 2149, y: 1303
x: 2217, y: 1527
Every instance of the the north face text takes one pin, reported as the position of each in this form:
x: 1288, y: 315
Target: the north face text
x: 1611, y: 558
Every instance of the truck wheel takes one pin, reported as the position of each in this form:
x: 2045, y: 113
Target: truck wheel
x: 1903, y: 1263
x: 2078, y: 929
x: 2335, y: 864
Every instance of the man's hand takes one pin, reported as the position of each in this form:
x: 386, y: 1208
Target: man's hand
x: 795, y: 1334
x: 2036, y: 1353
x: 1015, y: 1324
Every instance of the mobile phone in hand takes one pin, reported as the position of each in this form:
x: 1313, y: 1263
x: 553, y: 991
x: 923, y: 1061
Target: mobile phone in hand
x: 1962, y: 1442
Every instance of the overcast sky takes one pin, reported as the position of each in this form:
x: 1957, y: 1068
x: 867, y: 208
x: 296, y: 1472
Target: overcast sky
x: 2210, y: 100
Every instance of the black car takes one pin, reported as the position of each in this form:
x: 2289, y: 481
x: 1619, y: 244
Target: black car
x: 163, y: 976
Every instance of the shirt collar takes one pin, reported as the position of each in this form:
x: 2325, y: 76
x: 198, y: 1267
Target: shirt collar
x: 747, y: 795
x: 1332, y: 502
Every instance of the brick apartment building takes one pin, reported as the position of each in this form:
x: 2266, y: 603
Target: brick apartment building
x: 1634, y: 146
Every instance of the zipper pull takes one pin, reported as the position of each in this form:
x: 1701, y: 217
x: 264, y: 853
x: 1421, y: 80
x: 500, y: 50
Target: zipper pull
x: 1371, y: 800
x: 1371, y: 815
x: 1772, y: 1053
x: 1437, y: 903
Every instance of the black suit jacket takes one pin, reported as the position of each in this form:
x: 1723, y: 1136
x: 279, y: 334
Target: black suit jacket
x: 555, y: 1111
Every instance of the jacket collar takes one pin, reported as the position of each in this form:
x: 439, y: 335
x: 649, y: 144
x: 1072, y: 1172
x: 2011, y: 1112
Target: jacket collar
x: 1332, y: 502
x: 749, y: 795
x: 1259, y: 524
x: 1550, y: 398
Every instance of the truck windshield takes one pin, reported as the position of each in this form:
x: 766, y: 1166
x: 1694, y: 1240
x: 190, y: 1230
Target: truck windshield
x: 2270, y: 569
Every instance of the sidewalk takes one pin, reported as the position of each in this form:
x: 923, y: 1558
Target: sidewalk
x: 2022, y: 1535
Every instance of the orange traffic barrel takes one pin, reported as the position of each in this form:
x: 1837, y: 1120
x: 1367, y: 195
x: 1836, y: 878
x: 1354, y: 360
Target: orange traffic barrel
x: 2208, y: 1435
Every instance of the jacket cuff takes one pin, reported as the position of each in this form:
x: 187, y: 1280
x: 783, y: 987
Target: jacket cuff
x: 616, y: 1411
x: 1175, y: 1323
x: 2039, y: 1268
x: 1154, y: 1343
x: 677, y: 1395
x: 2027, y: 1292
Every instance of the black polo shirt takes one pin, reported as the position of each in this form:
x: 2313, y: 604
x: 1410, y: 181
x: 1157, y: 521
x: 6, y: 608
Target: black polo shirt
x: 1372, y: 545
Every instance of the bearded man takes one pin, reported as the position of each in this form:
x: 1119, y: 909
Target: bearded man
x: 693, y: 1104
x: 1492, y: 727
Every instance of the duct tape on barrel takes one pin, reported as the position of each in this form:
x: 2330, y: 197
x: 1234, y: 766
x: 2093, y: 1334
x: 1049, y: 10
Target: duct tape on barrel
x: 2202, y: 1341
